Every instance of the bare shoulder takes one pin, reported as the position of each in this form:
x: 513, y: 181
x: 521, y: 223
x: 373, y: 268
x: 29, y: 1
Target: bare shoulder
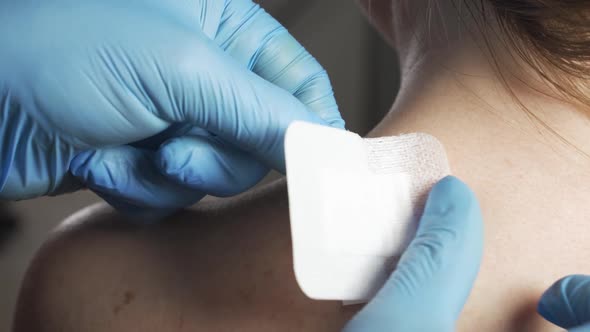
x: 99, y: 272
x: 88, y: 274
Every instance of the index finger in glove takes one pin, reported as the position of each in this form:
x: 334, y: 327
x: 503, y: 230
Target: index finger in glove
x: 435, y: 274
x: 254, y: 38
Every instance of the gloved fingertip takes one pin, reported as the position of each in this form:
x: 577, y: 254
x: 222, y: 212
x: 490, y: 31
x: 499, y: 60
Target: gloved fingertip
x: 79, y: 165
x: 436, y: 273
x: 450, y: 196
x: 565, y: 303
x: 204, y: 164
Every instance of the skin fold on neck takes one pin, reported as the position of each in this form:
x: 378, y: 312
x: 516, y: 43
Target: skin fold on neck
x: 528, y: 165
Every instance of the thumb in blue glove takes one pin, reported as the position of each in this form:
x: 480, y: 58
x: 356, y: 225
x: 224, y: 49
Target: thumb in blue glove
x: 436, y: 273
x: 567, y: 303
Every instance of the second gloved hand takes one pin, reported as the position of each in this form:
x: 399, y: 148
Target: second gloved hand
x: 435, y: 275
x: 214, y: 84
x: 567, y: 303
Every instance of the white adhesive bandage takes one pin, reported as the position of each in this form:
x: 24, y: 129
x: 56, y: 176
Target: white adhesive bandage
x: 354, y: 205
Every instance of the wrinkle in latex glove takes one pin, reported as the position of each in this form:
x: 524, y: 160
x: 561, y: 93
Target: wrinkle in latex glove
x: 103, y: 74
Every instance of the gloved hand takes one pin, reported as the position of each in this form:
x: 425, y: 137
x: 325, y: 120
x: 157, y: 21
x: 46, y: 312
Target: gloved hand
x: 567, y: 303
x: 213, y: 84
x: 435, y: 275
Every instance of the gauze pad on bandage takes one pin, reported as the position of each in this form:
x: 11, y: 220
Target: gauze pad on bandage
x: 354, y: 205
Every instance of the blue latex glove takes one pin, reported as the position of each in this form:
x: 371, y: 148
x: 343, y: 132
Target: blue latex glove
x: 567, y: 303
x: 436, y: 273
x: 211, y: 84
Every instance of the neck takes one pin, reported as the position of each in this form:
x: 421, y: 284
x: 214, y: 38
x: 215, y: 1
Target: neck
x: 452, y: 86
x: 528, y: 166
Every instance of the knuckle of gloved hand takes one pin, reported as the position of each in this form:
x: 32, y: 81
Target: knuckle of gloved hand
x: 185, y: 175
x: 208, y: 57
x: 185, y: 161
x: 105, y: 179
x: 181, y: 169
x: 167, y: 161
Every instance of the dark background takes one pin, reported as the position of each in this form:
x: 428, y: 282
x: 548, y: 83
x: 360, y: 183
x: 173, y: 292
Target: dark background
x: 363, y: 72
